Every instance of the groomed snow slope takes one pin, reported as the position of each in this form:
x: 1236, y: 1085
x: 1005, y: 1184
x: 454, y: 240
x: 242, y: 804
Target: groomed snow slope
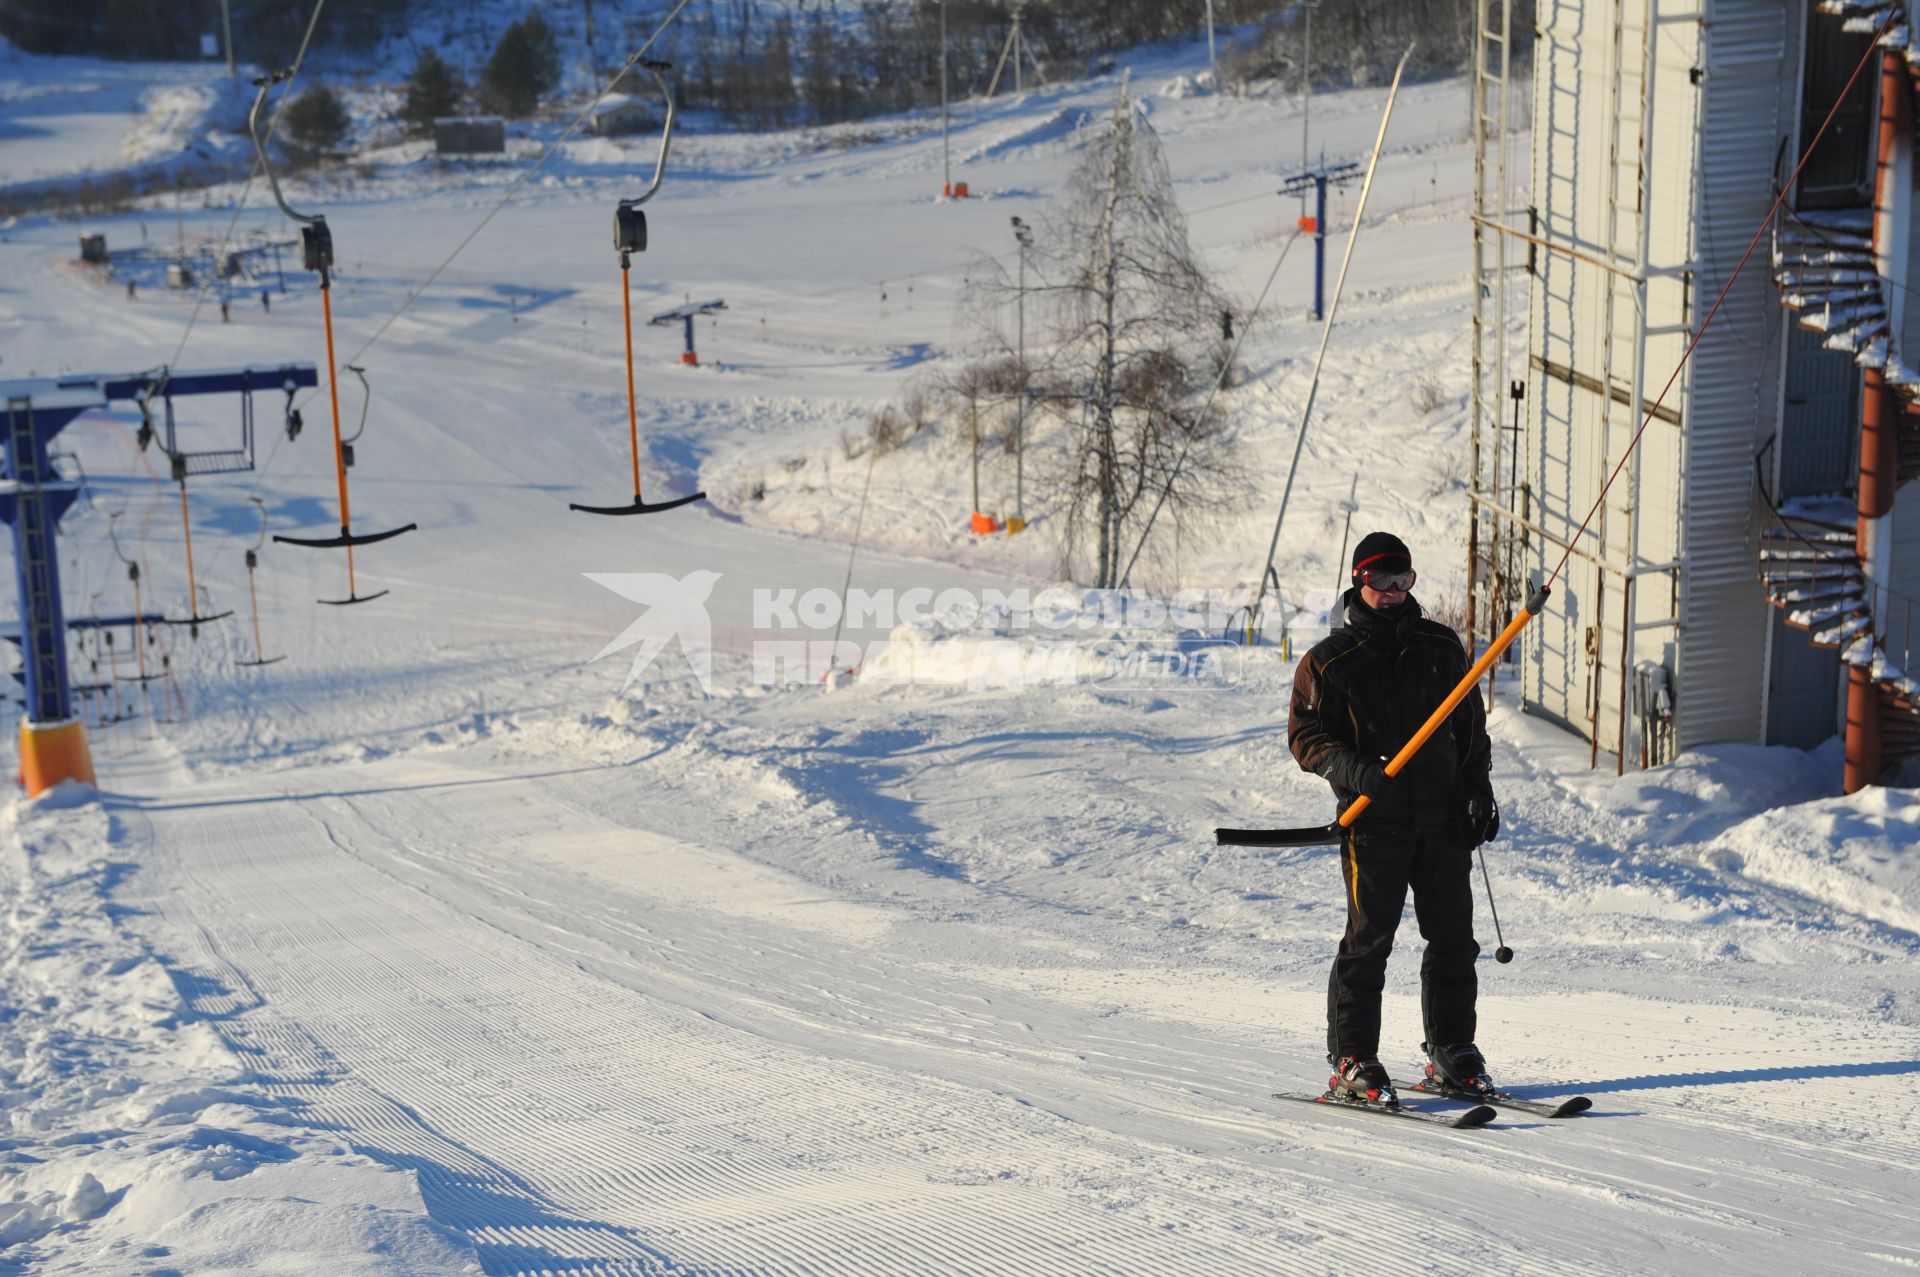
x: 433, y: 949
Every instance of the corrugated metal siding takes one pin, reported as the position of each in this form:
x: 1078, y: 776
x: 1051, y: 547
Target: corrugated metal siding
x: 1746, y: 109
x: 1902, y: 620
x: 1910, y: 312
x: 1672, y: 161
x: 1903, y: 635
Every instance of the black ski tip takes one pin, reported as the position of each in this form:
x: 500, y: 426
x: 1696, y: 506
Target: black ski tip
x: 1478, y: 1115
x: 1578, y: 1104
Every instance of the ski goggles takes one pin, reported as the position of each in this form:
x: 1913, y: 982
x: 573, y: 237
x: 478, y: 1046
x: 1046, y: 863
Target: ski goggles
x: 1388, y: 582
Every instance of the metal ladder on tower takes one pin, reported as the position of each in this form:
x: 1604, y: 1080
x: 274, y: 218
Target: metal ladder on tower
x: 1628, y: 81
x: 36, y: 553
x: 1492, y: 191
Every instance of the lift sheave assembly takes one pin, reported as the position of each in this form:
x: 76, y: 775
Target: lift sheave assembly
x: 630, y: 237
x: 316, y: 246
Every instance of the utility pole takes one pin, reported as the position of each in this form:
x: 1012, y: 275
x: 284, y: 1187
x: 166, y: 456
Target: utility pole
x: 1210, y: 62
x: 593, y: 60
x: 1104, y: 377
x: 226, y: 35
x: 1017, y: 44
x: 1306, y: 100
x: 1018, y: 521
x: 946, y: 149
x: 1012, y: 48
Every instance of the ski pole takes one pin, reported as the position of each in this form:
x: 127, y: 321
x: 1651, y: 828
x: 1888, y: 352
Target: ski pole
x: 1502, y: 954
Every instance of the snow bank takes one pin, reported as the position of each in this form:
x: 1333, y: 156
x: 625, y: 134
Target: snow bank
x: 1704, y: 791
x: 133, y: 1133
x: 172, y: 119
x: 1062, y: 126
x: 1860, y: 853
x: 1067, y: 636
x: 926, y: 653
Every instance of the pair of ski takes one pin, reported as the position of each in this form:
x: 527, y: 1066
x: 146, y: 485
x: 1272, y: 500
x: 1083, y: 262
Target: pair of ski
x: 1479, y: 1115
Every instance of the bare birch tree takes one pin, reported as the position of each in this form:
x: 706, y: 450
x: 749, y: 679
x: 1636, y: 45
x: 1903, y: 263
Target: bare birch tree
x: 1128, y: 339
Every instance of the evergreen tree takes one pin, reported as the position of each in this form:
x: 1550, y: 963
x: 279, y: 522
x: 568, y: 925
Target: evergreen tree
x: 525, y: 65
x: 433, y: 90
x: 316, y: 121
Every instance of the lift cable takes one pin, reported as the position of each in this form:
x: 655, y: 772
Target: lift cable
x: 240, y: 204
x: 512, y: 191
x: 518, y: 184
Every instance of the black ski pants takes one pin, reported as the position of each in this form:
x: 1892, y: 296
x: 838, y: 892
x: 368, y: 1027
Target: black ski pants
x: 1378, y: 866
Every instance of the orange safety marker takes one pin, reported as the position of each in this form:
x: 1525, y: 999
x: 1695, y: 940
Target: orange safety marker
x: 53, y: 752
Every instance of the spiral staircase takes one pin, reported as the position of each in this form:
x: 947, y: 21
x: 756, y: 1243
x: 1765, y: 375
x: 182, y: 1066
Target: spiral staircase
x: 1823, y: 266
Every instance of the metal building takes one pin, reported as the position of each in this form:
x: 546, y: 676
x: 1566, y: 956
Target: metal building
x: 470, y: 135
x: 620, y: 114
x: 1751, y: 573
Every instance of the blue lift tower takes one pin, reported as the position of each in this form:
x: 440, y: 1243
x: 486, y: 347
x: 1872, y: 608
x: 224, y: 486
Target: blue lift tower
x: 33, y: 496
x: 1317, y: 179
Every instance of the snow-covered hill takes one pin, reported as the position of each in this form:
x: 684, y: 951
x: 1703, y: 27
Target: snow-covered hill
x: 432, y: 949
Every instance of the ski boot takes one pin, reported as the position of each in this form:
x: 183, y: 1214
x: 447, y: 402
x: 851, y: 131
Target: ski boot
x: 1361, y: 1081
x: 1459, y: 1068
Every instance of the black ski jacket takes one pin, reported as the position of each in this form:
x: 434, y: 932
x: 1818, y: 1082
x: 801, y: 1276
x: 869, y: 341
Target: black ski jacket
x: 1364, y: 690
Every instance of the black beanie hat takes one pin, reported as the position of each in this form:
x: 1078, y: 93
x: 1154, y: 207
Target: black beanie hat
x: 1381, y: 550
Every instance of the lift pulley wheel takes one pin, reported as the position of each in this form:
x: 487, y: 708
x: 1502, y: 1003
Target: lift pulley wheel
x: 316, y: 245
x: 629, y: 228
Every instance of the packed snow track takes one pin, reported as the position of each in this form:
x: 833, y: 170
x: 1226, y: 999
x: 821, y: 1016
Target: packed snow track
x: 612, y: 1048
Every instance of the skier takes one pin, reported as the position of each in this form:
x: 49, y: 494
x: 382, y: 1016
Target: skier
x: 1358, y: 696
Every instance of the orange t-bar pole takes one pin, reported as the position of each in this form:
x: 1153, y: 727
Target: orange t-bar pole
x: 339, y: 454
x: 186, y: 529
x: 633, y: 414
x: 253, y: 600
x: 1535, y: 604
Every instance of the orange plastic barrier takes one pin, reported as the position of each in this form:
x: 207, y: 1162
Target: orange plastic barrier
x: 984, y: 524
x: 53, y: 752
